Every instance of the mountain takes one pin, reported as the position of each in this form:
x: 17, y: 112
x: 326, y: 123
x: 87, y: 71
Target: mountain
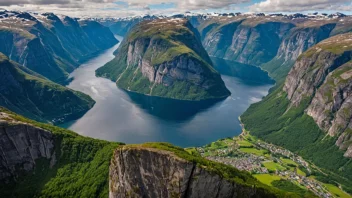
x: 272, y: 42
x: 40, y: 160
x: 28, y: 93
x: 51, y: 45
x: 249, y: 41
x: 324, y: 74
x: 310, y: 113
x: 165, y: 58
x: 122, y: 26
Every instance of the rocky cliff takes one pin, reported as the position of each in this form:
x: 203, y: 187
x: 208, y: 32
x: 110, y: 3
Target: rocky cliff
x: 298, y: 40
x: 158, y: 170
x: 165, y: 58
x: 50, y: 45
x: 310, y: 113
x: 28, y: 93
x: 324, y: 74
x: 21, y: 145
x: 40, y: 160
x: 271, y: 42
x: 246, y: 40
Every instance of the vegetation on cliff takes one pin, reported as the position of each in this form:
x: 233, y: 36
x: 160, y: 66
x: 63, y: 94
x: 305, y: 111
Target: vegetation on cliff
x: 314, y: 99
x: 165, y: 58
x: 81, y: 167
x: 30, y: 94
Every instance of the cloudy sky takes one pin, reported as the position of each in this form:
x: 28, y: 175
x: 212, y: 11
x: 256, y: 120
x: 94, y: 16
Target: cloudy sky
x: 122, y: 8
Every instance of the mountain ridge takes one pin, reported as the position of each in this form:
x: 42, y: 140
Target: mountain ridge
x: 165, y: 60
x: 33, y: 95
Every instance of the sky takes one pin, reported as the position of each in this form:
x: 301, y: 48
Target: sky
x: 125, y: 8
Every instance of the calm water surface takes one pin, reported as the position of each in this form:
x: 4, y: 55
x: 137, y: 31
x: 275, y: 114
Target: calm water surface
x: 133, y: 118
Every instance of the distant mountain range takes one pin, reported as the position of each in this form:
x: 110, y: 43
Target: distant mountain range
x: 51, y: 45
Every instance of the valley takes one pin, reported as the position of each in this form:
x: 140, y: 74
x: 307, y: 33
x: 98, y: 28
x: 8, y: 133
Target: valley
x: 189, y: 105
x: 135, y: 118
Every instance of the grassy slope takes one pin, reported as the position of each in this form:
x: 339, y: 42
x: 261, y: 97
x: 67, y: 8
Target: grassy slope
x: 81, y: 170
x: 40, y: 99
x: 290, y: 187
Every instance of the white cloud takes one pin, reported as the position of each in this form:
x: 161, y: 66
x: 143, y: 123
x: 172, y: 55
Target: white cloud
x: 121, y: 8
x: 109, y: 8
x: 299, y: 5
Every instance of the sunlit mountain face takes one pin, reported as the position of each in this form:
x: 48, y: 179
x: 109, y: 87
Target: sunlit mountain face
x: 166, y: 98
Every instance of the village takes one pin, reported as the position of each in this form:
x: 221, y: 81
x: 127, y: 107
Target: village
x: 266, y: 162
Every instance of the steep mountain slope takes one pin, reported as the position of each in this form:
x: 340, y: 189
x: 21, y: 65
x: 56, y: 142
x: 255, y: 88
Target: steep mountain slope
x: 98, y: 34
x: 39, y: 160
x: 271, y: 42
x: 311, y: 112
x: 50, y: 45
x: 122, y: 26
x: 324, y: 73
x: 298, y: 40
x: 165, y: 58
x: 28, y: 93
x: 249, y: 41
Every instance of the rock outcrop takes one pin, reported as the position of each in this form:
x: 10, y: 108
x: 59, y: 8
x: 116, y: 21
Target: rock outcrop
x: 165, y: 58
x: 21, y: 145
x: 323, y: 75
x: 154, y: 173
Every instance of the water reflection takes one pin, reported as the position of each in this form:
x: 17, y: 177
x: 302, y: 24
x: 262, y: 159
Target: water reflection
x: 169, y: 109
x: 247, y: 73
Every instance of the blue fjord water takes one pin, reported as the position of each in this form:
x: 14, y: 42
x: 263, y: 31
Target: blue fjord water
x: 134, y: 118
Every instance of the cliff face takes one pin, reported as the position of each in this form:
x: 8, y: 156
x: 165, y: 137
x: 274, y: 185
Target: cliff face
x: 302, y: 38
x: 165, y: 60
x: 273, y: 43
x: 148, y: 172
x: 28, y: 93
x: 246, y: 41
x: 40, y: 160
x: 298, y: 40
x: 50, y: 45
x: 331, y: 106
x: 323, y: 73
x: 21, y: 145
